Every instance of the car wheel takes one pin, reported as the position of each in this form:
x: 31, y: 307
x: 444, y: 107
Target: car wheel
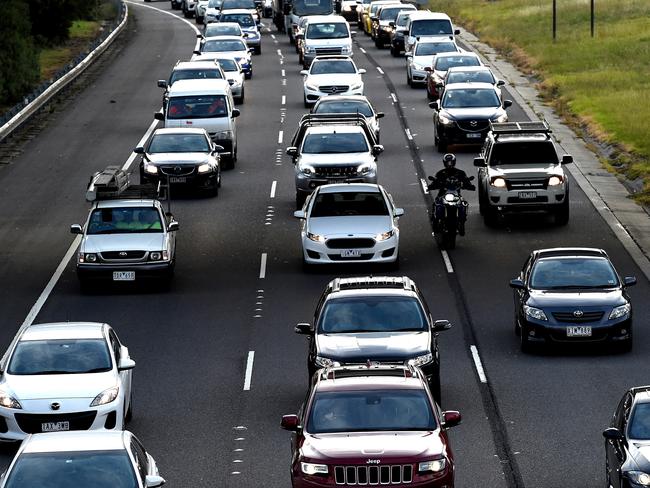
x: 442, y: 145
x: 408, y: 78
x: 482, y: 201
x: 393, y: 51
x: 249, y: 75
x: 626, y: 345
x: 516, y: 327
x: 214, y: 189
x: 562, y: 214
x: 219, y: 178
x: 240, y: 98
x: 379, y: 44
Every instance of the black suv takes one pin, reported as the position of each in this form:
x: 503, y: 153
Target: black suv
x: 380, y: 318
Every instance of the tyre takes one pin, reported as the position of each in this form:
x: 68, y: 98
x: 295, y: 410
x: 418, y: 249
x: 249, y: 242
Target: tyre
x: 394, y: 266
x: 482, y: 202
x: 249, y: 75
x: 516, y: 327
x: 562, y: 214
x: 626, y: 345
x: 442, y: 144
x: 258, y: 50
x: 434, y: 386
x: 393, y: 51
x: 490, y: 215
x: 300, y: 199
x: 214, y: 189
x: 408, y: 78
x: 379, y: 44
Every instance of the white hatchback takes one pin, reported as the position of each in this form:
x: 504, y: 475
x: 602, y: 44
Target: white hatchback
x: 350, y: 223
x: 64, y: 376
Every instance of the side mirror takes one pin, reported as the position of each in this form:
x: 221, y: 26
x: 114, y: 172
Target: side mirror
x: 361, y: 71
x: 139, y: 150
x: 304, y: 72
x: 304, y: 328
x: 379, y: 115
x: 408, y: 55
x: 501, y: 83
x: 429, y: 69
x: 434, y: 105
x: 440, y: 325
x: 153, y: 481
x: 235, y: 113
x: 290, y: 422
x: 450, y: 418
x: 377, y: 149
x: 567, y: 159
x: 479, y: 162
x: 299, y: 214
x: 398, y: 212
x: 173, y: 226
x: 507, y: 103
x: 162, y: 84
x: 629, y: 281
x: 391, y: 24
x: 457, y: 32
x: 613, y: 434
x: 517, y: 284
x: 126, y: 364
x: 159, y: 116
x: 76, y: 229
x: 292, y: 151
x: 196, y: 51
x: 218, y: 148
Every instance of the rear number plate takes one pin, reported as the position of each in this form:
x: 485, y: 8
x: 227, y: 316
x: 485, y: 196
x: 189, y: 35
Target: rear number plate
x: 527, y: 195
x: 579, y: 331
x: 177, y: 179
x: 123, y: 275
x: 55, y: 426
x: 350, y: 253
x: 474, y: 135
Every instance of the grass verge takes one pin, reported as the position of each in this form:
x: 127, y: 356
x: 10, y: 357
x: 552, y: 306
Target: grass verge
x: 55, y: 58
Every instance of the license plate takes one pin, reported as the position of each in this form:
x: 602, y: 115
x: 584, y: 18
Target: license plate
x: 579, y: 331
x: 474, y: 135
x: 527, y: 195
x: 177, y: 179
x: 55, y: 426
x: 350, y: 253
x: 123, y: 275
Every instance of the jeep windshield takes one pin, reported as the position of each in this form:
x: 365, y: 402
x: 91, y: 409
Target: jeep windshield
x: 335, y: 143
x: 124, y: 220
x: 348, y: 203
x: 431, y: 48
x: 353, y: 315
x: 470, y: 98
x: 312, y: 7
x: 197, y: 107
x: 431, y: 27
x: 523, y: 152
x: 178, y: 143
x: 223, y: 45
x: 329, y: 30
x: 370, y: 411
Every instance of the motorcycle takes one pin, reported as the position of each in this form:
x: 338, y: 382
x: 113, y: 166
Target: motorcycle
x: 449, y: 211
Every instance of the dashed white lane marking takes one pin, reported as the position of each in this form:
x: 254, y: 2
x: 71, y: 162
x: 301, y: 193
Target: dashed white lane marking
x: 273, y: 185
x: 280, y: 137
x: 284, y: 100
x: 381, y: 71
x: 394, y: 97
x: 408, y: 134
x: 425, y: 190
x: 249, y: 371
x: 263, y: 266
x: 283, y: 74
x: 445, y: 258
x: 280, y: 52
x: 362, y: 50
x: 478, y: 364
x: 272, y: 36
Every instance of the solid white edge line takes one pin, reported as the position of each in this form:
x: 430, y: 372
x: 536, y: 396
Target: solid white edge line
x: 284, y: 99
x: 283, y: 73
x: 381, y: 71
x: 273, y: 186
x: 425, y: 190
x: 445, y: 258
x: 263, y: 266
x: 478, y: 364
x: 249, y: 370
x: 280, y: 136
x: 196, y: 30
x: 394, y: 97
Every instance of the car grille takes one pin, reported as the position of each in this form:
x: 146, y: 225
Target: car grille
x: 373, y: 475
x: 31, y: 423
x: 363, y: 257
x: 572, y: 318
x: 542, y: 199
x: 325, y: 51
x: 331, y: 89
x: 116, y: 255
x: 177, y: 170
x: 335, y: 171
x: 350, y: 243
x: 473, y: 125
x: 523, y: 185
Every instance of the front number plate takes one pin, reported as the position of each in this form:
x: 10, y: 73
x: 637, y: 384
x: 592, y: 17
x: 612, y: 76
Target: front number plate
x: 474, y: 135
x: 55, y: 426
x: 350, y: 253
x: 123, y: 275
x: 578, y: 331
x: 177, y: 179
x: 527, y: 195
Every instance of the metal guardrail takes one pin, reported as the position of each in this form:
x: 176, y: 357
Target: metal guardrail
x: 20, y: 113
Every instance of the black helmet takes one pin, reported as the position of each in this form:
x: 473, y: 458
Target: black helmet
x: 449, y: 160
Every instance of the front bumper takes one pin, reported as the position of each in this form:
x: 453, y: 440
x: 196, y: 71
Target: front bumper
x: 453, y: 134
x: 539, y: 331
x: 194, y: 180
x: 382, y: 252
x: 307, y: 184
x: 383, y: 35
x: 441, y: 480
x: 548, y: 199
x: 418, y: 75
x: 104, y: 271
x: 312, y: 96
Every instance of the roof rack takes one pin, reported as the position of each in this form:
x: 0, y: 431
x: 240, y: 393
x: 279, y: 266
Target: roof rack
x: 320, y: 120
x: 371, y: 368
x: 363, y: 282
x: 534, y: 127
x: 113, y: 183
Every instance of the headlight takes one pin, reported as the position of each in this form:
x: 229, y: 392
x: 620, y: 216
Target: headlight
x: 311, y: 87
x: 445, y: 120
x: 106, y: 396
x: 450, y: 197
x: 205, y: 168
x: 8, y: 401
x: 418, y: 66
x: 224, y: 134
x: 155, y: 255
x: 501, y: 118
x: 88, y: 257
x: 620, y: 311
x: 306, y: 169
x: 435, y: 466
x: 421, y: 360
x: 357, y: 86
x: 498, y: 183
x: 322, y: 362
x: 150, y: 168
x: 310, y: 50
x: 315, y: 237
x: 555, y: 181
x: 309, y: 468
x: 366, y: 168
x: 535, y: 313
x: 639, y: 477
x: 346, y: 50
x: 385, y: 235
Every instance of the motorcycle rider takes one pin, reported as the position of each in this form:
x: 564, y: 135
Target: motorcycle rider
x: 439, y: 182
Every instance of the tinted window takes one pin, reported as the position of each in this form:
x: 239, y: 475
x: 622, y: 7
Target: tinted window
x: 244, y: 20
x: 470, y: 77
x: 335, y: 143
x: 349, y: 203
x: 402, y: 19
x: 639, y: 424
x: 540, y: 152
x: 195, y: 74
x: 96, y: 469
x: 312, y: 7
x: 389, y: 13
x: 178, y: 143
x: 215, y: 3
x: 124, y: 220
x: 335, y: 30
x: 562, y: 273
x: 431, y: 48
x: 60, y: 357
x: 217, y: 29
x: 233, y: 4
x: 470, y: 98
x: 197, y: 107
x: 366, y: 411
x: 344, y: 107
x: 326, y: 67
x: 446, y: 62
x: 372, y: 314
x: 223, y: 45
x: 431, y: 27
x: 228, y: 64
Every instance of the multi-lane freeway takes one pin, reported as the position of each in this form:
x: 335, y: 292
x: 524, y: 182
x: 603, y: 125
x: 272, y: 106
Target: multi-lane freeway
x: 218, y: 362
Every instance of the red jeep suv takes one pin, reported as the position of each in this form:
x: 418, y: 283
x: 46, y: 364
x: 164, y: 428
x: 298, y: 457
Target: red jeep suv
x: 371, y: 425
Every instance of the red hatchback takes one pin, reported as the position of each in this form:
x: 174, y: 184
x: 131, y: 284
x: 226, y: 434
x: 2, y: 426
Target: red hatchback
x: 371, y: 425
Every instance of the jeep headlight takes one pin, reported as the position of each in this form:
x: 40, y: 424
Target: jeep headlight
x: 310, y: 50
x: 421, y: 360
x: 158, y: 255
x: 150, y: 168
x: 310, y: 468
x: 434, y: 466
x: 322, y: 362
x: 8, y: 401
x: 498, y: 182
x: 346, y: 50
x: 205, y: 168
x: 385, y: 235
x: 620, y: 311
x: 106, y: 396
x: 445, y: 120
x: 306, y: 169
x: 555, y: 181
x: 88, y: 257
x: 535, y: 313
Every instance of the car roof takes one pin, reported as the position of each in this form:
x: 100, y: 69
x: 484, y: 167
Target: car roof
x: 63, y: 330
x: 327, y: 18
x: 331, y: 129
x: 385, y: 2
x: 426, y: 14
x: 224, y: 38
x: 179, y: 130
x: 456, y: 54
x: 343, y: 98
x: 349, y: 187
x: 215, y: 86
x: 333, y: 57
x: 80, y: 440
x: 127, y: 202
x: 453, y: 69
x: 405, y: 6
x: 204, y: 64
x: 365, y: 383
x: 570, y: 252
x: 224, y: 24
x: 470, y: 86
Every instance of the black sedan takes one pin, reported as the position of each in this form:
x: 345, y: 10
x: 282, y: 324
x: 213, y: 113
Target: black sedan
x: 627, y: 441
x: 567, y: 295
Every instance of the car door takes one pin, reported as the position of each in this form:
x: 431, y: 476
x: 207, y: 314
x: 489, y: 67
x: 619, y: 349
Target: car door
x: 616, y: 451
x: 141, y: 460
x: 520, y: 296
x: 167, y: 218
x: 125, y: 376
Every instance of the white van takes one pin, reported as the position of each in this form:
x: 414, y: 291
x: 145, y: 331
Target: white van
x: 427, y: 24
x: 204, y: 104
x: 325, y: 35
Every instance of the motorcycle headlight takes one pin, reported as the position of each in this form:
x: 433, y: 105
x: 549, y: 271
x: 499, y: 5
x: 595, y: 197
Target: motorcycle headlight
x: 434, y: 466
x: 224, y: 134
x: 450, y: 197
x: 8, y: 401
x: 385, y: 235
x: 322, y: 362
x: 106, y: 396
x: 639, y: 477
x: 309, y: 468
x: 444, y: 120
x: 498, y: 183
x: 306, y: 169
x: 205, y: 168
x: 535, y: 313
x: 150, y: 168
x: 501, y: 118
x: 620, y: 311
x: 315, y: 237
x: 555, y: 181
x: 422, y: 360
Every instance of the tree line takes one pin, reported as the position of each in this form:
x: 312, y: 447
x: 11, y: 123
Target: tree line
x: 28, y: 26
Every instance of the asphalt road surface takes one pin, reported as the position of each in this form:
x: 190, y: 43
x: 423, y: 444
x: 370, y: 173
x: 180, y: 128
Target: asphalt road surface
x: 536, y: 421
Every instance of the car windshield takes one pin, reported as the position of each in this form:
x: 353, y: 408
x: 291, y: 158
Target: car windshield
x: 244, y: 20
x: 195, y: 74
x: 335, y: 143
x: 445, y: 62
x: 178, y: 143
x: 344, y: 107
x: 524, y: 152
x: 369, y: 411
x: 431, y: 48
x: 349, y: 203
x: 431, y: 27
x: 326, y: 67
x: 218, y: 29
x: 570, y: 272
x: 329, y: 30
x: 469, y: 77
x: 215, y: 3
x: 470, y: 98
x: 223, y: 45
x: 60, y: 356
x: 312, y: 7
x: 389, y: 13
x: 197, y: 107
x: 96, y: 469
x: 402, y: 20
x: 234, y: 4
x: 639, y: 425
x: 124, y: 220
x: 372, y: 314
x: 228, y: 64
